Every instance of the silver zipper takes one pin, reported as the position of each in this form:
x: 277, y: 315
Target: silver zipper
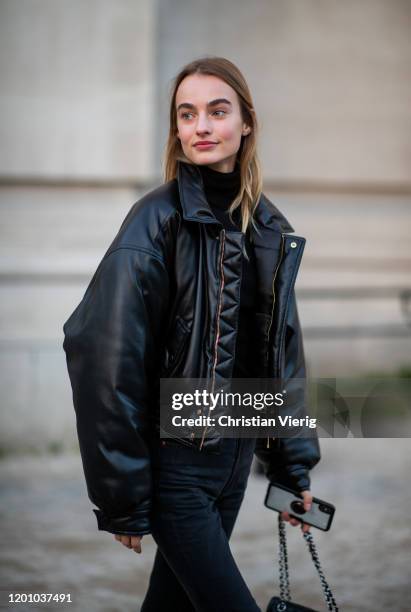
x: 218, y: 324
x: 272, y: 309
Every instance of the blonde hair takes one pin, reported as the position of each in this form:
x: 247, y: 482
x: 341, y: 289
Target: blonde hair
x: 247, y: 158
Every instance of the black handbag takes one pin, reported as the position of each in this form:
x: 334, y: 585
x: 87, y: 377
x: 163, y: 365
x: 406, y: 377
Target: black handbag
x: 284, y: 603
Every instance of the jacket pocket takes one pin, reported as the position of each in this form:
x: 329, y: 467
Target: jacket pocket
x: 175, y: 345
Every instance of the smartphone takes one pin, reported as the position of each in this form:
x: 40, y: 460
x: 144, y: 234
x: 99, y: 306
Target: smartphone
x: 283, y: 499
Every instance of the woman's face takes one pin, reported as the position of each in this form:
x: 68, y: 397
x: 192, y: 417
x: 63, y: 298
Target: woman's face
x: 208, y: 110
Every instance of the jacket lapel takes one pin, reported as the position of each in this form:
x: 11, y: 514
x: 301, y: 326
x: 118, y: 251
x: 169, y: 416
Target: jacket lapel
x: 196, y: 208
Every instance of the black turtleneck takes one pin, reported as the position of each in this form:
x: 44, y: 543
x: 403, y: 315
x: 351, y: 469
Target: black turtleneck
x: 220, y: 189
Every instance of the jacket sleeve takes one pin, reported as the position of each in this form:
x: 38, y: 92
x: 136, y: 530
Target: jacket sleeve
x: 289, y: 460
x: 111, y: 346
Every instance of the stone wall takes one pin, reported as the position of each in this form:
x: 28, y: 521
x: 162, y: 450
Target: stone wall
x: 83, y: 120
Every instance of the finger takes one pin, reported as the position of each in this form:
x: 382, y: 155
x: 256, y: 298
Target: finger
x: 307, y: 500
x: 285, y: 516
x: 294, y: 521
x: 125, y: 540
x: 305, y: 527
x: 117, y: 537
x: 136, y: 543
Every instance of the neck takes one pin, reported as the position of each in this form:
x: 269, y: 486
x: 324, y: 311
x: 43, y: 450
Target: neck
x: 223, y: 184
x: 220, y: 189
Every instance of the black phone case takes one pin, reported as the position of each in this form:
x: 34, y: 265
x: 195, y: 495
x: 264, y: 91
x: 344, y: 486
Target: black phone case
x: 315, y: 500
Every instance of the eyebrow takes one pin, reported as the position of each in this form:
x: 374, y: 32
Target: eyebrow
x: 212, y: 103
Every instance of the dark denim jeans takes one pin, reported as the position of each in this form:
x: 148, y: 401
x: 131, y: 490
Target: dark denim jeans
x: 197, y: 497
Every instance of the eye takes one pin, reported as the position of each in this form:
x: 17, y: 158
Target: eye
x: 220, y: 111
x: 184, y: 115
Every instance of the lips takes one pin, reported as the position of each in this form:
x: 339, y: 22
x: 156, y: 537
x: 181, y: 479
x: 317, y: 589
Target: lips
x: 205, y: 144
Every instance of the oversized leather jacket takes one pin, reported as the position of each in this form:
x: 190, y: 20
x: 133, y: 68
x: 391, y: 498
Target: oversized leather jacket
x: 164, y: 302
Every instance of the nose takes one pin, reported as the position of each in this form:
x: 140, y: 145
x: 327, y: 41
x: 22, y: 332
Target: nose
x: 203, y: 124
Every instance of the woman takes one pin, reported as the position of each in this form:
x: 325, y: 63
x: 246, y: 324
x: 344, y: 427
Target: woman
x: 198, y: 283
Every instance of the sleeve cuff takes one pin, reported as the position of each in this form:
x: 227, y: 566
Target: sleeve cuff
x: 297, y: 481
x: 125, y: 525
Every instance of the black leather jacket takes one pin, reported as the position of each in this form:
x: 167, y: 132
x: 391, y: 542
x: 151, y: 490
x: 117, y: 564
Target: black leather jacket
x: 164, y: 302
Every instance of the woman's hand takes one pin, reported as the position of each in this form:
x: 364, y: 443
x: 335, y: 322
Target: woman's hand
x: 307, y: 499
x: 132, y: 542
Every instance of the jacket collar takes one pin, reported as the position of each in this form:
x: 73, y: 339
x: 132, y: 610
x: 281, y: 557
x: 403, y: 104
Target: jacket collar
x: 196, y: 208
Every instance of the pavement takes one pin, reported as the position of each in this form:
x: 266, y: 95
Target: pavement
x: 50, y: 542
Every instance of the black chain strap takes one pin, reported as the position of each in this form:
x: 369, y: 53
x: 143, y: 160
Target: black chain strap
x: 283, y: 563
x: 283, y: 569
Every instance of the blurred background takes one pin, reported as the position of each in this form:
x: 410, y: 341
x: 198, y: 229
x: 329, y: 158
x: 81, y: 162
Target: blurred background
x: 83, y: 122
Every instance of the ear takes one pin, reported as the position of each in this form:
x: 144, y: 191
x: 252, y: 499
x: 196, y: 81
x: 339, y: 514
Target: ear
x: 246, y: 129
